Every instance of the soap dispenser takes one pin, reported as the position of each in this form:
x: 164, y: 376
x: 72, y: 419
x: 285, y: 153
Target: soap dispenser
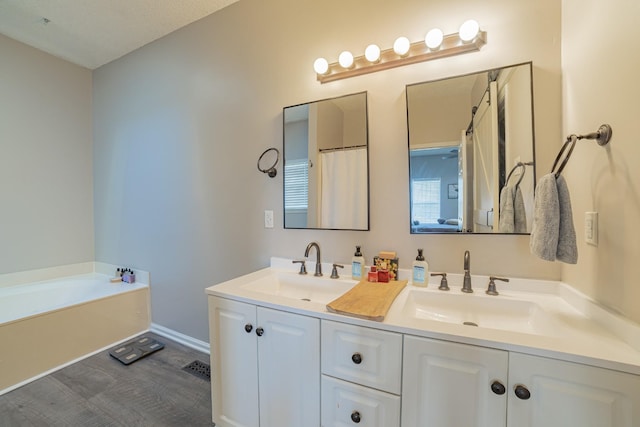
x: 420, y: 270
x: 357, y: 265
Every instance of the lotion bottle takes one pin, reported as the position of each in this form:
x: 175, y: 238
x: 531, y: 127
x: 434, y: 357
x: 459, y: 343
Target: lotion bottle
x: 357, y: 265
x: 420, y: 270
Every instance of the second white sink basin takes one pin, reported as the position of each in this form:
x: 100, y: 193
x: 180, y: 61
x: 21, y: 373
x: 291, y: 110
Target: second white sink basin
x: 300, y: 287
x: 479, y: 310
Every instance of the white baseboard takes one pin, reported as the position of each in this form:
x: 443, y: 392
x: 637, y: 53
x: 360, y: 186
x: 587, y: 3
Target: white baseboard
x: 181, y: 338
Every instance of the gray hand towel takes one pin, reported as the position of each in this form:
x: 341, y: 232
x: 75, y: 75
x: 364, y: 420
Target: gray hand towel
x: 546, y: 219
x: 519, y: 212
x: 507, y: 214
x: 553, y: 236
x: 567, y: 246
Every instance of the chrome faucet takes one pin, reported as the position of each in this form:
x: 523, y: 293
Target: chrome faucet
x: 466, y: 283
x: 318, y: 263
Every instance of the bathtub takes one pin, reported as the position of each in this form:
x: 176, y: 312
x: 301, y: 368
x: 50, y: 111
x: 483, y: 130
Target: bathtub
x: 49, y: 324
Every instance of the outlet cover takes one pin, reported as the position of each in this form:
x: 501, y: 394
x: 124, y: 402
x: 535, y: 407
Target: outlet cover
x: 591, y: 228
x: 268, y: 219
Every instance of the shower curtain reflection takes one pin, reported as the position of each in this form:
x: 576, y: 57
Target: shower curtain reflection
x: 344, y: 199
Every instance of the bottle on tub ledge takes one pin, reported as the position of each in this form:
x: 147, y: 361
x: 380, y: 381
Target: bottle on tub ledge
x: 357, y: 265
x: 420, y: 271
x: 128, y: 276
x: 124, y: 275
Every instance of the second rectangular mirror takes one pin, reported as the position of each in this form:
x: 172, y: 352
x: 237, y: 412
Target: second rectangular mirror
x: 471, y: 140
x: 326, y: 164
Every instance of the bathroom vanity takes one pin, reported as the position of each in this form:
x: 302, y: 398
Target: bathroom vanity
x: 541, y: 354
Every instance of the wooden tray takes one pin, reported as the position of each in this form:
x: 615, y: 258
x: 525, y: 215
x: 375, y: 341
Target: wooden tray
x: 368, y: 300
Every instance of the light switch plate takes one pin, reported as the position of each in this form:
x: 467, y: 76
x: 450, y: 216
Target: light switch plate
x: 591, y: 228
x: 268, y: 219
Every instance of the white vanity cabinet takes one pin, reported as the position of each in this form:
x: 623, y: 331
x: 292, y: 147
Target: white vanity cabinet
x: 279, y: 358
x: 361, y: 376
x: 565, y: 394
x: 265, y: 366
x: 449, y: 385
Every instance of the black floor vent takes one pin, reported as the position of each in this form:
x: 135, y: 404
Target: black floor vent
x: 199, y: 369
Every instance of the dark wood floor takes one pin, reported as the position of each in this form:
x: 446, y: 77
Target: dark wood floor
x: 100, y: 391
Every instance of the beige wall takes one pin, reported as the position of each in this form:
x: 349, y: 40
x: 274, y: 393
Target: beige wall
x: 180, y: 123
x: 46, y: 207
x: 599, y: 68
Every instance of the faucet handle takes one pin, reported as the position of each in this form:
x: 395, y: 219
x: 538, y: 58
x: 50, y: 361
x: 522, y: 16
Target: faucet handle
x: 303, y: 268
x: 444, y: 283
x: 334, y: 271
x: 491, y: 289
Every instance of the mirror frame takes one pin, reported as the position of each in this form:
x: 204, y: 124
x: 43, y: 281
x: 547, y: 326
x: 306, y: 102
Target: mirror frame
x: 284, y: 151
x: 533, y: 145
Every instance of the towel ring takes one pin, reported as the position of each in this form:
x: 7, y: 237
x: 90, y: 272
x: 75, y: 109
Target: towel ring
x: 569, y: 143
x: 518, y: 165
x: 271, y: 171
x: 602, y: 137
x: 521, y: 165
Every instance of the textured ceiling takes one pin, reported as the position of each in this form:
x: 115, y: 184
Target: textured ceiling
x: 92, y: 33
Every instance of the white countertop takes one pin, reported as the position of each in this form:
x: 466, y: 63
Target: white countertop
x: 589, y: 333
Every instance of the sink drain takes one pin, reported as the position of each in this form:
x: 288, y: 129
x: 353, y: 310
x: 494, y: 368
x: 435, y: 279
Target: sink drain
x: 305, y: 299
x: 469, y: 323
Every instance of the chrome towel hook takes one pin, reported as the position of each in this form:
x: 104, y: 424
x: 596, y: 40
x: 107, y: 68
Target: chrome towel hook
x: 271, y: 170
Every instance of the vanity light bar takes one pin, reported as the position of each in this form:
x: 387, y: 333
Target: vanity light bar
x: 452, y: 44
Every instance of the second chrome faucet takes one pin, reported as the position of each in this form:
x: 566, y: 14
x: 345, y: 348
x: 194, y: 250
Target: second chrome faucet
x: 466, y: 282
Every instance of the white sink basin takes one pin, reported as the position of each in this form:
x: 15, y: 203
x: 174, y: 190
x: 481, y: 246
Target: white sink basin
x: 494, y: 312
x: 300, y: 287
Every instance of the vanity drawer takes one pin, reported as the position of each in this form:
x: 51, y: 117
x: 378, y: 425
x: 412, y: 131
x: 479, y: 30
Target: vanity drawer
x: 347, y: 404
x: 362, y: 355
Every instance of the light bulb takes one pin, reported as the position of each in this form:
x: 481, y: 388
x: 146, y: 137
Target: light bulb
x: 321, y: 66
x: 469, y: 30
x: 401, y: 46
x: 372, y: 53
x: 345, y: 59
x: 434, y: 38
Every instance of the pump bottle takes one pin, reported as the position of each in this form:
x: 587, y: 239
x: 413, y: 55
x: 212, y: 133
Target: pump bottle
x: 420, y: 270
x: 357, y: 265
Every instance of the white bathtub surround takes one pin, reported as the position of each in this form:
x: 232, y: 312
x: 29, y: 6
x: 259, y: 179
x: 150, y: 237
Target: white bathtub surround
x: 31, y: 276
x: 49, y: 324
x: 23, y: 301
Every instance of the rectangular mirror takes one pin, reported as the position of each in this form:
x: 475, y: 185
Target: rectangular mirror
x: 471, y: 152
x: 326, y: 164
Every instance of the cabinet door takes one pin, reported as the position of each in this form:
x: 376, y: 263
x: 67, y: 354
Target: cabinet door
x: 289, y: 369
x: 447, y: 384
x: 346, y: 404
x: 570, y: 394
x: 234, y: 363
